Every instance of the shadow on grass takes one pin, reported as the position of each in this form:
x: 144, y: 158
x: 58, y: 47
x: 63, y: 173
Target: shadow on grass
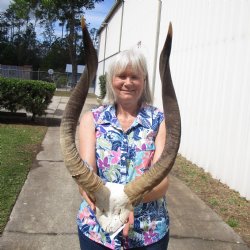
x: 22, y: 118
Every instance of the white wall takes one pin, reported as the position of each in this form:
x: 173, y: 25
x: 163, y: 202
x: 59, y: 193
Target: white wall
x: 113, y: 34
x: 127, y: 30
x: 210, y: 64
x: 109, y: 44
x: 140, y: 26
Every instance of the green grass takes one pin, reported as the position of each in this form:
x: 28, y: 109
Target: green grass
x: 233, y: 209
x: 232, y: 222
x: 62, y: 93
x: 213, y: 202
x: 18, y: 146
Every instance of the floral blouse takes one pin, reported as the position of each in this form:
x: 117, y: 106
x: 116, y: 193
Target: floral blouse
x: 120, y: 158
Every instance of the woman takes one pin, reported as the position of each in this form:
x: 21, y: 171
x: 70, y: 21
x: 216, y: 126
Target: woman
x: 121, y: 141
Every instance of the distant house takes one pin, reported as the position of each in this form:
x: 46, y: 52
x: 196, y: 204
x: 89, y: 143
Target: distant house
x: 68, y: 70
x: 80, y: 69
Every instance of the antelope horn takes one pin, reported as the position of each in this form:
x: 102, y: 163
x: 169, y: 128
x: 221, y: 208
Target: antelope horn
x: 114, y: 200
x: 77, y: 168
x: 136, y: 189
x: 112, y: 204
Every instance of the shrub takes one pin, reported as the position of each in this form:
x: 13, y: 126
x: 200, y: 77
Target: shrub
x: 33, y: 96
x: 61, y: 81
x: 102, y: 83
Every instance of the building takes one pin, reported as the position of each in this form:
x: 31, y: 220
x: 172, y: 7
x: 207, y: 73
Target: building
x: 68, y: 70
x: 210, y: 64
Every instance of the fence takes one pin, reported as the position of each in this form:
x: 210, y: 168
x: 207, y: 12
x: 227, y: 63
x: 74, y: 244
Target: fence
x: 62, y: 80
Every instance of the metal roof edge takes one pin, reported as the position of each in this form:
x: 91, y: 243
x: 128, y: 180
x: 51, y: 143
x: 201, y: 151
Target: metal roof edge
x: 110, y: 14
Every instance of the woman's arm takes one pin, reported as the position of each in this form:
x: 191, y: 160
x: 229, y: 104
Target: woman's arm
x: 87, y: 142
x: 87, y: 139
x: 161, y: 189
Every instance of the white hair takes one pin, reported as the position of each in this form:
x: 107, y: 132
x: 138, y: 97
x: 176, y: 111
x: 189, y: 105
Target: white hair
x: 136, y: 60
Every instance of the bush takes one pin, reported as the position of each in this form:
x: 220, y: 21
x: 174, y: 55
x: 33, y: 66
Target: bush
x: 61, y: 81
x: 33, y: 96
x: 102, y: 83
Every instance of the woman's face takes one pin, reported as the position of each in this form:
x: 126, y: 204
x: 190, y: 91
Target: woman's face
x: 128, y: 86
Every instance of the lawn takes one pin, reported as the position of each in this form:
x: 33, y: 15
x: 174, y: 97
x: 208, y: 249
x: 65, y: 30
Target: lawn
x: 19, y: 145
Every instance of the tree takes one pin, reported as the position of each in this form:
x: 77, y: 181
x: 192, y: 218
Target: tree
x: 4, y: 26
x: 8, y: 54
x: 20, y: 47
x: 14, y: 23
x: 57, y: 51
x: 71, y: 12
x: 94, y: 37
x: 64, y: 11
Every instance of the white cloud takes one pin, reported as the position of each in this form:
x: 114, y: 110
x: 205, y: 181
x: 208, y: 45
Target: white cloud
x: 4, y: 4
x: 96, y: 16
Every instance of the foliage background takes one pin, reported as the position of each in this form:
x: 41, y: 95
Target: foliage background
x: 21, y: 45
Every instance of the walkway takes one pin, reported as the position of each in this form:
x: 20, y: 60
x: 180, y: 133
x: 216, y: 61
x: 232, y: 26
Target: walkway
x: 44, y: 215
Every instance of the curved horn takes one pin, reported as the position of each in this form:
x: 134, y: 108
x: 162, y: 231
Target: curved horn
x: 77, y: 168
x: 136, y: 189
x: 111, y: 198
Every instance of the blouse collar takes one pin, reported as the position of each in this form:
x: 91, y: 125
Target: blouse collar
x: 108, y: 116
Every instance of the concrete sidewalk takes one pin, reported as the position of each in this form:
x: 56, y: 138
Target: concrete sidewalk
x: 44, y: 216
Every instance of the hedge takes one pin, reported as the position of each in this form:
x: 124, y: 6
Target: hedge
x: 102, y: 83
x: 33, y: 96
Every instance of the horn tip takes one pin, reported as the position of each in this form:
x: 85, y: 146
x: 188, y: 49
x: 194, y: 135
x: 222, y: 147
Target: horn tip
x: 170, y: 29
x: 83, y: 23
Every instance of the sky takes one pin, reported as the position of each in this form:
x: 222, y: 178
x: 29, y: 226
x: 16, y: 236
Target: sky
x: 95, y: 17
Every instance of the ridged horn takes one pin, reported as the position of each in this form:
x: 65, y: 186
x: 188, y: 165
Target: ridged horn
x: 90, y: 181
x: 136, y: 189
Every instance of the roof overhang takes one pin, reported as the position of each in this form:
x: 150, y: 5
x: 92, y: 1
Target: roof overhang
x: 110, y: 14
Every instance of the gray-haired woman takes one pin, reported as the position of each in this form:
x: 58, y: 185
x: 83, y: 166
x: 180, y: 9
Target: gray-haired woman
x: 121, y: 140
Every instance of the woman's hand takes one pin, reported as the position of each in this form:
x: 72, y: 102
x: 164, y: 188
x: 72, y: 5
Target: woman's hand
x: 86, y: 198
x: 127, y: 226
x: 130, y: 217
